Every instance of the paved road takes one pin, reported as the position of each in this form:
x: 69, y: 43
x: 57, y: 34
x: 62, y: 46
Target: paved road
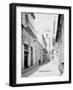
x: 49, y: 69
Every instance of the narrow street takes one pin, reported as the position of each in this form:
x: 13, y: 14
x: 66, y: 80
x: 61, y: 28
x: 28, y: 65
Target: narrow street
x: 43, y: 49
x: 49, y: 69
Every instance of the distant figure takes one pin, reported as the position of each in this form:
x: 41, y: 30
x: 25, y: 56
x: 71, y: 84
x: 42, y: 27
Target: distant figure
x: 39, y: 62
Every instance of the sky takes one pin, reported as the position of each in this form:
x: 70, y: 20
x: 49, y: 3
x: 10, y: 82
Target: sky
x: 44, y: 22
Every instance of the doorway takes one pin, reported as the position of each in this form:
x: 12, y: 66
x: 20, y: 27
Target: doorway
x: 26, y: 60
x: 31, y: 56
x: 26, y: 56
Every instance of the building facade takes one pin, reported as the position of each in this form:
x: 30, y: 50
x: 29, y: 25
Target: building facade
x: 31, y: 49
x: 38, y: 52
x: 60, y: 41
x: 28, y: 37
x: 44, y: 49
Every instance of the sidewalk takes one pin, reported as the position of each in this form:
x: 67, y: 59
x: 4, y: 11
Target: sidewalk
x: 29, y: 71
x: 32, y: 70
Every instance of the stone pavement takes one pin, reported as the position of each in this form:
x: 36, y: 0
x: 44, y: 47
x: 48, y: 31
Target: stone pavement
x: 49, y: 69
x: 30, y: 71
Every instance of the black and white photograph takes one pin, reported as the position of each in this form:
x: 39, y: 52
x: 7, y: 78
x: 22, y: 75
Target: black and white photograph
x: 40, y: 44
